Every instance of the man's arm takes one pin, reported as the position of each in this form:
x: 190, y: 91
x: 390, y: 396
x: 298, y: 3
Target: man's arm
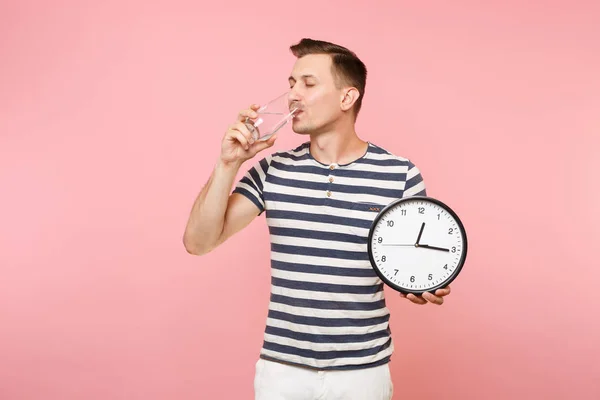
x: 216, y: 214
x: 415, y: 186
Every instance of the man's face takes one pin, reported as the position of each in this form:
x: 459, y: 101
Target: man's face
x: 313, y: 89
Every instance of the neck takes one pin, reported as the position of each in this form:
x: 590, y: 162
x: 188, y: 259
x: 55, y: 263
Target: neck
x: 340, y: 145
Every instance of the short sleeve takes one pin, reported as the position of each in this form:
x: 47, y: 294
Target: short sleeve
x: 252, y: 183
x: 415, y: 185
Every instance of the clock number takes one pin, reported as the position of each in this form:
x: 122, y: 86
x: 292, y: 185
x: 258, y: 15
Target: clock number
x: 383, y: 258
x: 421, y: 210
x: 438, y: 217
x: 450, y: 231
x: 379, y: 239
x: 446, y: 266
x: 396, y: 271
x: 390, y: 223
x: 454, y: 249
x: 403, y: 212
x: 412, y: 278
x: 430, y: 277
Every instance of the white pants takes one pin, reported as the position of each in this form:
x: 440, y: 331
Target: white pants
x: 276, y: 381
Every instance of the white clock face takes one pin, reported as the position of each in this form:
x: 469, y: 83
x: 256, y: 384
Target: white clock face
x: 417, y: 245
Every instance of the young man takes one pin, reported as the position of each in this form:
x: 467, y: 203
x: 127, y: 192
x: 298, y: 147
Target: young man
x: 327, y: 334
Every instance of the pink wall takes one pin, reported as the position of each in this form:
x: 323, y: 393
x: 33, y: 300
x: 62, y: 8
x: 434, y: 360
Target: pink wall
x: 111, y: 115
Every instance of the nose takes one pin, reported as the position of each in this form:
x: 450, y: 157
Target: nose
x: 293, y: 97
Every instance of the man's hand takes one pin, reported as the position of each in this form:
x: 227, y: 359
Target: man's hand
x: 239, y: 145
x: 437, y: 298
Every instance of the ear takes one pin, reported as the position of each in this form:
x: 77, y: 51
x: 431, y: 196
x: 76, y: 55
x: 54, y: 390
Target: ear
x: 349, y: 97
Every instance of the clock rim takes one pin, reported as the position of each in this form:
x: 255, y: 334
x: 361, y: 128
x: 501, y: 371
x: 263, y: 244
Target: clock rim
x: 459, y: 266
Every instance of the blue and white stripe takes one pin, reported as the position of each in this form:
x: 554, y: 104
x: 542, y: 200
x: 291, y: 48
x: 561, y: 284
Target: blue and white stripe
x: 327, y: 308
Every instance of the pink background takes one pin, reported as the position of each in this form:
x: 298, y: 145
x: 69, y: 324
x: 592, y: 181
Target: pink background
x: 111, y: 116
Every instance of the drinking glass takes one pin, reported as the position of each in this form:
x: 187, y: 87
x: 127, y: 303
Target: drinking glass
x: 272, y: 116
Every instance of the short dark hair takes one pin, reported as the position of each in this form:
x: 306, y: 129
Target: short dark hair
x: 347, y: 68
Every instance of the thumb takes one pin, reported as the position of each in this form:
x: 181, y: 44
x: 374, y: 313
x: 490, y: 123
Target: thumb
x: 260, y: 146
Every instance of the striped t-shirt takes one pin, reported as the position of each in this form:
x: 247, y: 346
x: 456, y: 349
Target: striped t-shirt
x: 327, y: 308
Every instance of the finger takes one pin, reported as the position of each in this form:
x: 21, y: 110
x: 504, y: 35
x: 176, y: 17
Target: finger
x: 430, y: 297
x: 443, y: 292
x: 416, y: 299
x: 245, y: 130
x: 264, y: 144
x: 271, y: 140
x: 234, y: 134
x: 402, y: 295
x: 249, y: 112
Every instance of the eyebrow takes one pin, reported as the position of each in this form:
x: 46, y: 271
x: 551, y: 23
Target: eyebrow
x: 291, y: 78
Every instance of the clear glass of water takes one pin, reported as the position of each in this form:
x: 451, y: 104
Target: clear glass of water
x: 272, y: 116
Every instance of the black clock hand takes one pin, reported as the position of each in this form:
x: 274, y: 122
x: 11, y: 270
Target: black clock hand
x: 426, y: 246
x: 420, y: 233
